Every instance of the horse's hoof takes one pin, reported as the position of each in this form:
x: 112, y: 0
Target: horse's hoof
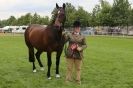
x: 34, y: 71
x: 42, y: 68
x: 49, y: 78
x: 57, y: 76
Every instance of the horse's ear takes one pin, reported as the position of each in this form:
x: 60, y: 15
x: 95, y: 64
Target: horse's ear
x: 64, y: 6
x: 57, y: 6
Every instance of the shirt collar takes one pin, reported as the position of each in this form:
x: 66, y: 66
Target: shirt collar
x: 76, y: 33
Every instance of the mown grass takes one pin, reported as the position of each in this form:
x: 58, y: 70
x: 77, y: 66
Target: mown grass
x: 108, y: 63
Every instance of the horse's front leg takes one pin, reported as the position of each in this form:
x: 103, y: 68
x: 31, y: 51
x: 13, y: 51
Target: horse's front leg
x: 34, y: 67
x: 57, y: 63
x: 49, y: 64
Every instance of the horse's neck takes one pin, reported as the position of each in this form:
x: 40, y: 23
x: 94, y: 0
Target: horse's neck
x: 55, y: 32
x: 56, y: 27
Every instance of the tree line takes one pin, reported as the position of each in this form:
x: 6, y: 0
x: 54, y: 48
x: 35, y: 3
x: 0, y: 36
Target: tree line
x: 119, y: 13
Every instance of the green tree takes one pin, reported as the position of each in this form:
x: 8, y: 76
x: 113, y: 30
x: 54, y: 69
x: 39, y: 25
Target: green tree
x: 105, y: 13
x: 120, y: 12
x: 35, y: 19
x: 44, y: 20
x: 83, y: 15
x: 1, y: 25
x: 95, y: 16
x: 70, y: 14
x: 130, y: 18
x: 27, y: 19
x: 11, y: 21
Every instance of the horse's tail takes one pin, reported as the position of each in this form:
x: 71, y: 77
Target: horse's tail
x: 29, y: 45
x: 26, y: 36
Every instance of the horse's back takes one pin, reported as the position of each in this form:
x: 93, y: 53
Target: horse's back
x: 42, y: 38
x: 34, y: 34
x: 34, y: 30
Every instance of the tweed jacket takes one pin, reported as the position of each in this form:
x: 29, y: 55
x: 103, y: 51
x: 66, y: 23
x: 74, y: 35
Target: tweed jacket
x: 76, y: 40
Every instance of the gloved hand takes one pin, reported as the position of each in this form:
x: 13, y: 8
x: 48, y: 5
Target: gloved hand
x: 74, y: 46
x: 79, y: 48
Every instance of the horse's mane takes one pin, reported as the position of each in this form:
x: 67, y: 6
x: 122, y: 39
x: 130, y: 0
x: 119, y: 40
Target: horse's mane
x: 53, y: 18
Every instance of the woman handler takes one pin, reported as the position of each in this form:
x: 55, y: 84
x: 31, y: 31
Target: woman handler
x: 74, y: 52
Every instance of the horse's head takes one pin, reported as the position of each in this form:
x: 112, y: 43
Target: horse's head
x: 60, y: 15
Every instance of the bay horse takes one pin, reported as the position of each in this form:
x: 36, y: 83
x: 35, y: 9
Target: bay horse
x: 46, y: 39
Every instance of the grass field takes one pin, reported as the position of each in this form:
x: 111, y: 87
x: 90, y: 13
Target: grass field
x: 108, y: 63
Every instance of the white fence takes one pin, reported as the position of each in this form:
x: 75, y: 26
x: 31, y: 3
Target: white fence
x: 113, y: 31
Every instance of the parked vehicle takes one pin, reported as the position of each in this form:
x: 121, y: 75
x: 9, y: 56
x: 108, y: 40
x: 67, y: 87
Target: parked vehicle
x: 20, y: 29
x: 14, y: 29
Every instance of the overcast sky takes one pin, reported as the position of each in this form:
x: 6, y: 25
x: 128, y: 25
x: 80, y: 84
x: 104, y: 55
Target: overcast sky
x: 42, y: 7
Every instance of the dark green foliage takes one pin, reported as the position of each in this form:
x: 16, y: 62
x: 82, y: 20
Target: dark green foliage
x: 25, y: 20
x: 104, y: 14
x: 120, y: 12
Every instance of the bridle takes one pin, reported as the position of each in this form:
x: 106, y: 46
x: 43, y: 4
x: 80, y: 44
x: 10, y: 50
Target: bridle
x: 60, y: 17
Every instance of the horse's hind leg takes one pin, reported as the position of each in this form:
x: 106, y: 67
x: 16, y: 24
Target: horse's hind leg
x: 32, y: 57
x: 30, y: 48
x: 38, y: 53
